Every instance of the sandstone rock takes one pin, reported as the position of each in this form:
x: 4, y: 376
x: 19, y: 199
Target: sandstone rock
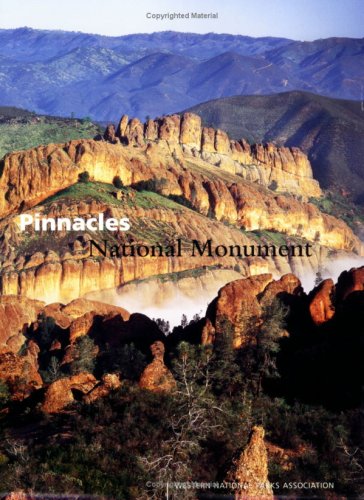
x: 208, y: 140
x: 251, y: 469
x: 35, y: 260
x: 288, y: 284
x: 80, y: 307
x: 104, y: 161
x: 156, y: 376
x: 222, y: 142
x: 110, y: 134
x: 236, y: 305
x: 169, y: 129
x: 350, y: 281
x: 121, y: 129
x: 109, y: 382
x: 151, y: 130
x: 321, y: 306
x: 54, y: 311
x: 191, y: 131
x: 135, y: 132
x: 21, y: 372
x: 81, y: 326
x: 15, y: 314
x: 61, y: 393
x: 228, y: 198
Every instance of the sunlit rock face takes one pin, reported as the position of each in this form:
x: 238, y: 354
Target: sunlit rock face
x: 322, y: 306
x: 223, y: 181
x: 60, y: 393
x: 239, y: 306
x: 156, y: 376
x: 250, y: 468
x: 15, y: 314
x: 237, y: 303
x: 30, y: 175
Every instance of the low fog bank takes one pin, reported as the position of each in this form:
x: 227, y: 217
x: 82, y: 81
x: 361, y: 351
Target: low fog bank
x: 171, y: 309
x: 169, y: 300
x: 331, y: 269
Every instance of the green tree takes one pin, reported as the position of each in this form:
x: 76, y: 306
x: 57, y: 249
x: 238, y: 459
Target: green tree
x: 225, y: 370
x: 84, y: 177
x: 268, y: 340
x: 184, y: 321
x: 46, y: 328
x: 163, y: 325
x: 84, y: 356
x: 192, y: 420
x: 4, y: 394
x: 53, y: 371
x: 129, y: 362
x: 117, y: 182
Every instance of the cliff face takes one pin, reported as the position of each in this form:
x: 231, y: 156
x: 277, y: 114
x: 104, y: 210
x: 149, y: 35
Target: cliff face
x: 31, y: 176
x: 15, y: 314
x: 287, y: 168
x: 180, y: 160
x: 68, y: 271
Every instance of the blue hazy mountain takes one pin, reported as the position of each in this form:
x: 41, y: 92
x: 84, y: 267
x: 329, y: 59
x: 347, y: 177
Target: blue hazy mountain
x: 66, y: 73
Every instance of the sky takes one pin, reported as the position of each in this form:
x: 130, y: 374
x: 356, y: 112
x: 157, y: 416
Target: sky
x: 296, y: 19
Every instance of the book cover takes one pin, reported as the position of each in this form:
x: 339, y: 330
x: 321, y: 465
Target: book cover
x: 181, y: 249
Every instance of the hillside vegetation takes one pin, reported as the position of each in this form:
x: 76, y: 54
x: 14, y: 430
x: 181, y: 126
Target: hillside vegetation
x: 329, y: 130
x: 21, y: 129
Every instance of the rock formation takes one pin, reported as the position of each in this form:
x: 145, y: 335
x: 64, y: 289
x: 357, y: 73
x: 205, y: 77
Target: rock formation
x: 62, y: 392
x: 109, y: 382
x: 156, y: 376
x: 322, y: 306
x: 15, y: 314
x: 20, y: 372
x: 199, y: 167
x: 250, y: 469
x: 67, y: 273
x: 350, y: 281
x: 238, y: 306
x: 288, y: 168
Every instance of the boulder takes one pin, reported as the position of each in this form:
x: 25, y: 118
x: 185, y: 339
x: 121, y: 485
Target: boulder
x: 64, y: 391
x: 109, y: 382
x: 16, y: 313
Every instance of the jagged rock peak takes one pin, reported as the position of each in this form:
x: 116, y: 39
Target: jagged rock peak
x: 274, y: 164
x: 250, y: 469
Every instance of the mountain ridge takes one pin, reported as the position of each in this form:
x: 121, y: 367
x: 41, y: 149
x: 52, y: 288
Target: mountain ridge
x: 36, y: 67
